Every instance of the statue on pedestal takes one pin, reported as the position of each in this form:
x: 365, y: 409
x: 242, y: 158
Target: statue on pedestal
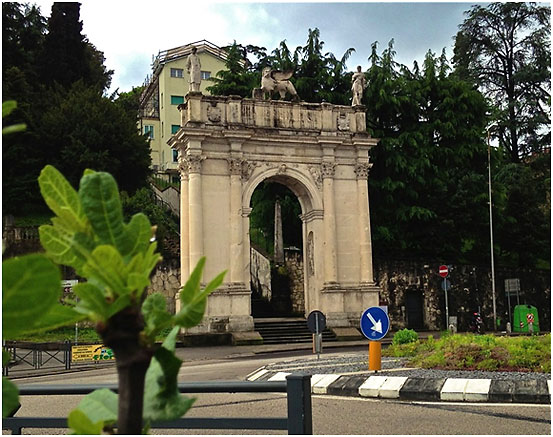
x: 194, y: 68
x: 276, y: 80
x: 359, y: 83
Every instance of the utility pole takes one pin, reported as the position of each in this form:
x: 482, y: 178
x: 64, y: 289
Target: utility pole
x: 491, y: 230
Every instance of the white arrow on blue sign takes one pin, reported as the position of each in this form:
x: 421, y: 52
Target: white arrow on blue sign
x: 375, y: 323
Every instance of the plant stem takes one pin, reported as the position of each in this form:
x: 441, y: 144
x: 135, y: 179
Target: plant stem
x: 122, y: 335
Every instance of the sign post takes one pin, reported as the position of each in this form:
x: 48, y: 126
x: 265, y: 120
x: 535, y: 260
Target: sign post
x: 375, y: 325
x: 444, y: 272
x: 316, y: 323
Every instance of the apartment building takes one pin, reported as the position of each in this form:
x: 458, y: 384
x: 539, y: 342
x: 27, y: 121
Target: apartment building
x: 166, y: 88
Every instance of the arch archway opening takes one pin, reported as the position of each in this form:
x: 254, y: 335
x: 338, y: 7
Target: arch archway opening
x: 276, y: 240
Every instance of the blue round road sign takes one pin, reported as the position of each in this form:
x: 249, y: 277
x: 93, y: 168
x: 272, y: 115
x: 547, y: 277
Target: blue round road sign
x: 375, y: 323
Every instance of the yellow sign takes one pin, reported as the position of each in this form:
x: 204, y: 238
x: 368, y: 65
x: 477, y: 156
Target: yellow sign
x: 91, y: 352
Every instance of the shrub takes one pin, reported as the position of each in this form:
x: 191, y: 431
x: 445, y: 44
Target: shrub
x: 405, y: 336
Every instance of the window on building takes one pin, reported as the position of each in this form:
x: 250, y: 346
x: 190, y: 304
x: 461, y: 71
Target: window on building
x: 205, y: 75
x: 149, y: 130
x: 162, y: 128
x: 175, y: 155
x: 177, y: 100
x: 177, y: 72
x: 161, y: 100
x: 174, y: 128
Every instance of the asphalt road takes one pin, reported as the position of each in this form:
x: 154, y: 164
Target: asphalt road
x: 331, y: 415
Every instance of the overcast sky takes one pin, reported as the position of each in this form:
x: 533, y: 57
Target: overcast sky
x: 130, y: 32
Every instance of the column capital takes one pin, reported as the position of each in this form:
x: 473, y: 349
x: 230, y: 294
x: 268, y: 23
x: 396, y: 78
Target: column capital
x: 362, y: 169
x: 195, y: 163
x: 328, y: 169
x: 235, y: 166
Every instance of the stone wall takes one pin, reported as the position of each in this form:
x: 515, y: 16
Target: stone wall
x: 166, y: 280
x: 260, y: 273
x: 294, y: 264
x: 470, y: 289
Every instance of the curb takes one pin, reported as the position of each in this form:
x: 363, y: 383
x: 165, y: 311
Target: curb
x: 422, y: 389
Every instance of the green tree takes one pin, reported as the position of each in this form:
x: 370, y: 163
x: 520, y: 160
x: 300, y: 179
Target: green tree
x: 68, y: 56
x: 427, y: 185
x: 505, y: 49
x: 65, y: 112
x: 236, y: 79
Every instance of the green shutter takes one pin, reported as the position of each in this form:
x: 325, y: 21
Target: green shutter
x: 177, y: 100
x: 174, y: 128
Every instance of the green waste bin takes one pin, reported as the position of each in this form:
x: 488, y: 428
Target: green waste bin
x: 524, y: 314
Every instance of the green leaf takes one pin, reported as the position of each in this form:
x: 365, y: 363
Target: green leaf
x: 62, y: 198
x: 7, y: 107
x: 31, y: 286
x: 138, y: 232
x: 60, y: 246
x: 14, y: 128
x: 10, y: 397
x: 5, y: 357
x: 194, y: 300
x: 107, y: 267
x: 162, y: 400
x: 155, y: 314
x: 92, y: 301
x: 80, y: 424
x: 100, y: 405
x: 101, y: 203
x: 138, y: 282
x: 58, y: 316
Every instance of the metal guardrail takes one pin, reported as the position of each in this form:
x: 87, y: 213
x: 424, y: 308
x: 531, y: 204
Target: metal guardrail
x: 37, y: 355
x: 297, y: 387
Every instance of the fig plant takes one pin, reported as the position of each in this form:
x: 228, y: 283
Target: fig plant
x: 88, y: 233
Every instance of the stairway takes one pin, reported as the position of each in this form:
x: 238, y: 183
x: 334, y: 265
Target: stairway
x: 287, y: 330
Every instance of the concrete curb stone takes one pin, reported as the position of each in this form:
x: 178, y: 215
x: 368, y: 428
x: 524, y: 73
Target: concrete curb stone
x: 422, y: 389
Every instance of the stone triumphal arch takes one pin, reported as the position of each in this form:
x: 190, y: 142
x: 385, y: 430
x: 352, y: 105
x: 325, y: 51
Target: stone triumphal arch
x: 227, y: 147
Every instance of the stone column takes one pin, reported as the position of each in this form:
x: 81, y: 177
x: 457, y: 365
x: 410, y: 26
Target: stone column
x: 331, y: 273
x: 196, y: 233
x: 184, y: 219
x: 236, y: 239
x: 362, y: 173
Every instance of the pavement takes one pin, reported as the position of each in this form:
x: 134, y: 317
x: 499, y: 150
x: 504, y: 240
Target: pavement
x: 364, y: 384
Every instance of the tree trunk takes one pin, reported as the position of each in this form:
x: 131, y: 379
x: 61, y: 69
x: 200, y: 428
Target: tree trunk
x: 132, y: 360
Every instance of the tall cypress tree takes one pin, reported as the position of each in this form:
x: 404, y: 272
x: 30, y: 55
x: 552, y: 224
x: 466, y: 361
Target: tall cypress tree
x: 67, y: 55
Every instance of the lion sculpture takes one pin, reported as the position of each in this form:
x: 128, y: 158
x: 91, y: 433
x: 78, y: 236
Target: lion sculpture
x: 277, y: 81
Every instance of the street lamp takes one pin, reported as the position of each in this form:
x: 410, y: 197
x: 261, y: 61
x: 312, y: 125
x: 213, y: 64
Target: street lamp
x: 491, y: 227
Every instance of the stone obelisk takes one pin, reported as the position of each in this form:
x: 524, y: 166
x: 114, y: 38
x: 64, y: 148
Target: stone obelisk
x: 279, y: 242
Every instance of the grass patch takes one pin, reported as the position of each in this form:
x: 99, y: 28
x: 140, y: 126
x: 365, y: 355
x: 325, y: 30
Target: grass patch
x: 478, y: 352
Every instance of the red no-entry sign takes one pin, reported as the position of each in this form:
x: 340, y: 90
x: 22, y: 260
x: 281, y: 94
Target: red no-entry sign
x: 443, y: 271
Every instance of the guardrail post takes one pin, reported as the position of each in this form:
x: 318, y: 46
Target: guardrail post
x: 67, y: 352
x: 300, y: 418
x: 6, y: 367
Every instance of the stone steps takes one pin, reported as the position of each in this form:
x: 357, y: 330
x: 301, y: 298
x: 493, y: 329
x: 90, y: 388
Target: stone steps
x: 284, y: 331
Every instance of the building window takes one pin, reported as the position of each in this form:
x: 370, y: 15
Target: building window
x: 177, y: 100
x: 175, y: 155
x: 205, y: 75
x: 177, y: 72
x: 174, y: 129
x: 161, y: 100
x: 149, y: 130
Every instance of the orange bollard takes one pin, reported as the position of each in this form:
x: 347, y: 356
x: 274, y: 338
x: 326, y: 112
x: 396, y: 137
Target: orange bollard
x: 375, y: 355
